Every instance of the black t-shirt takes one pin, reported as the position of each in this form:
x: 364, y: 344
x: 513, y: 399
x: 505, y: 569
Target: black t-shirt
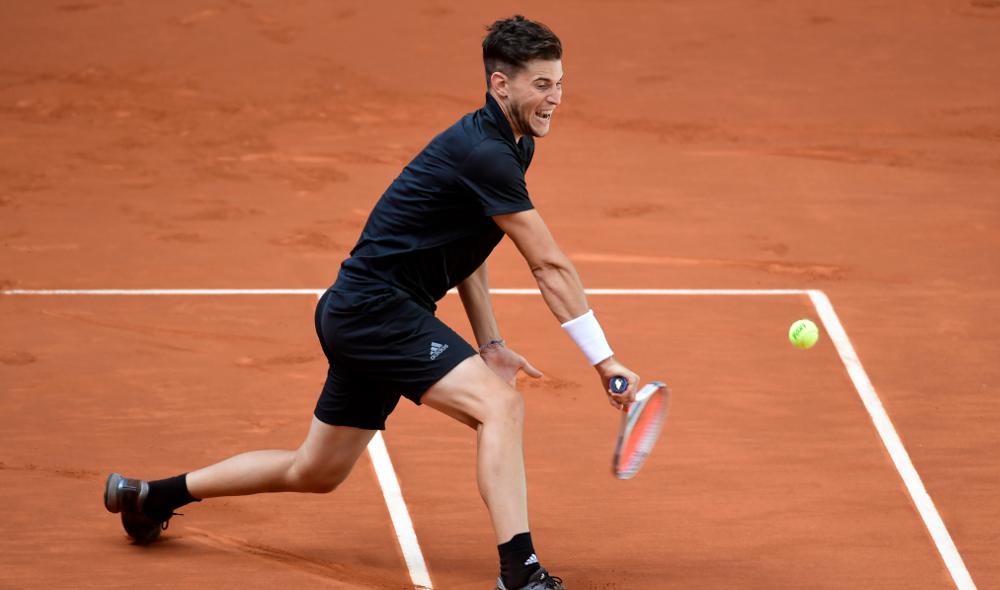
x: 433, y: 226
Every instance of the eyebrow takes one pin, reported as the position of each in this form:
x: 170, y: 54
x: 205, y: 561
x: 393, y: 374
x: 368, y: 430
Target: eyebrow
x: 545, y: 79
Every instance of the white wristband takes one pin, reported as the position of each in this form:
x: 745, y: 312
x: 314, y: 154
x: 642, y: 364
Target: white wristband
x: 589, y: 336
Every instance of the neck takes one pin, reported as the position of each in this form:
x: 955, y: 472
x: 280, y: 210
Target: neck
x: 506, y: 113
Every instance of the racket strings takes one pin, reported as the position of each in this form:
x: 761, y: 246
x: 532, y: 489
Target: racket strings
x: 641, y: 431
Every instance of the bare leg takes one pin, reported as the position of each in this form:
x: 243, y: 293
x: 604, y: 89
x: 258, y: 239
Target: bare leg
x: 319, y: 465
x: 474, y: 395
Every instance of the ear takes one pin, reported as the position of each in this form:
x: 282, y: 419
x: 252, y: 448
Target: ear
x: 498, y: 83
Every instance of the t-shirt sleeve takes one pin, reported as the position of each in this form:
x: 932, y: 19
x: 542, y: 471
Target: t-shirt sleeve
x: 493, y: 174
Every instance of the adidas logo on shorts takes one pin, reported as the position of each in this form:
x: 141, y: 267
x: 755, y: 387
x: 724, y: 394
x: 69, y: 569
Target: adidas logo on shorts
x: 437, y: 349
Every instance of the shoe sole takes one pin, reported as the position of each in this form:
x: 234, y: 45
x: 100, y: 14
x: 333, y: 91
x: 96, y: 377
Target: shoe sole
x: 141, y: 528
x: 111, y: 493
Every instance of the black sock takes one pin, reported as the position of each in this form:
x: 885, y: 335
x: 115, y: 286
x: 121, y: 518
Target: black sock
x: 167, y: 495
x: 517, y: 561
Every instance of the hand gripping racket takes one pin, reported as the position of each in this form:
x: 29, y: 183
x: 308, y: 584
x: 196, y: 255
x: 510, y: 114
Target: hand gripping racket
x: 640, y: 427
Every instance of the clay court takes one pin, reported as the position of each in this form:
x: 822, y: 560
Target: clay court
x: 179, y: 181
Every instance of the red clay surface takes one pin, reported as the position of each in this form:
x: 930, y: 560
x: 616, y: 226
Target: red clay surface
x: 851, y: 147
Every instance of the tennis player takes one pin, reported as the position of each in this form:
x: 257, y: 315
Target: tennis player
x: 432, y: 230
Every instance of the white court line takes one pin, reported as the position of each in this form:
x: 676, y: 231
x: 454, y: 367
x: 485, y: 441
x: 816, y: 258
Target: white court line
x: 900, y: 458
x: 658, y: 291
x: 401, y: 521
x: 147, y: 292
x: 133, y: 292
x: 838, y: 335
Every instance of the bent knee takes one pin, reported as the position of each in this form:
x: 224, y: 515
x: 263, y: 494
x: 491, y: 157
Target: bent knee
x: 322, y: 486
x: 505, y: 404
x: 474, y: 394
x: 317, y: 479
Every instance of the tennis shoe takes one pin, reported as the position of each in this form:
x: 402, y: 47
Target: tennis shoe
x: 540, y: 580
x: 126, y: 496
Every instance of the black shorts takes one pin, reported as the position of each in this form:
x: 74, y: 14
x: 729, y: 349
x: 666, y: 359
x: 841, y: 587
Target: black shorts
x: 381, y: 345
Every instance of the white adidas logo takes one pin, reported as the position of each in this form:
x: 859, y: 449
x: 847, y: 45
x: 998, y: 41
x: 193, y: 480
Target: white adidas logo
x: 437, y: 349
x: 531, y: 560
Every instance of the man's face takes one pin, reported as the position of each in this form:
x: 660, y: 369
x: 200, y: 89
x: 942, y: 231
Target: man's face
x: 532, y: 96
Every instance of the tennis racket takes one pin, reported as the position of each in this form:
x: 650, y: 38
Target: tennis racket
x: 640, y: 427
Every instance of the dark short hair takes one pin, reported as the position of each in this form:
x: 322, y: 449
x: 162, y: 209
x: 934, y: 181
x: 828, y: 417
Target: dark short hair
x: 513, y: 42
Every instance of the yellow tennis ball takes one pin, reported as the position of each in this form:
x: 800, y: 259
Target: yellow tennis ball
x: 803, y: 334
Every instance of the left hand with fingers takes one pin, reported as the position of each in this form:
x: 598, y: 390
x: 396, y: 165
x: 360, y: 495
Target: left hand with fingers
x: 505, y: 362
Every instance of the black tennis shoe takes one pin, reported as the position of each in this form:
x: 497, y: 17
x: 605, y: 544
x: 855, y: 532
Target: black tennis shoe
x: 540, y: 580
x: 126, y: 496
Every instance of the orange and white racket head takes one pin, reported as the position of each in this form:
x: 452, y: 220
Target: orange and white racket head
x: 640, y: 428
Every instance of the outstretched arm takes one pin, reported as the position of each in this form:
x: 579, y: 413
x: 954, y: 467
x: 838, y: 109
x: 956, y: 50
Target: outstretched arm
x: 563, y: 291
x: 475, y: 294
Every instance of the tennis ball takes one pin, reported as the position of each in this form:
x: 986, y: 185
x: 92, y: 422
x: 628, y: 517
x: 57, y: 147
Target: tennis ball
x: 803, y: 334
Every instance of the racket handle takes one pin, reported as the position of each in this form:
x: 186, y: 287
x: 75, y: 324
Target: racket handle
x: 618, y: 384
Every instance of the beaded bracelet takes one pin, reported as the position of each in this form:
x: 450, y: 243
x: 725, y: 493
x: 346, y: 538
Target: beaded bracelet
x: 496, y: 343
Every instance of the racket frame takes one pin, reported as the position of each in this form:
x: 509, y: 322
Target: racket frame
x: 629, y: 420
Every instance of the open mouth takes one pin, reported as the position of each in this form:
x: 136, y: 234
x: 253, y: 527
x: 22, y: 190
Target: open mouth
x: 544, y: 115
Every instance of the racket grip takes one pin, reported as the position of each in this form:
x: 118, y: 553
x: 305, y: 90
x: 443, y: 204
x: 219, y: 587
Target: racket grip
x: 618, y: 384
